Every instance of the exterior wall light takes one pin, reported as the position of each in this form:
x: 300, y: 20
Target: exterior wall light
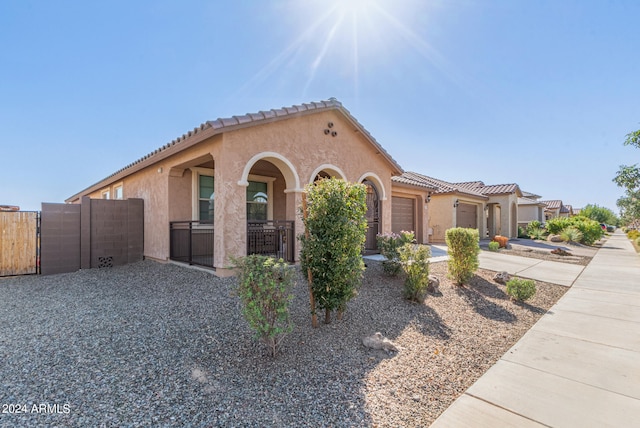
x: 456, y: 203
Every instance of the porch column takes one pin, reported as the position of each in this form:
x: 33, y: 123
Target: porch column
x: 230, y: 224
x: 294, y: 201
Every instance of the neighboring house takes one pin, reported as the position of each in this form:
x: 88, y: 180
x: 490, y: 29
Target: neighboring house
x: 449, y: 205
x: 530, y: 208
x: 239, y: 182
x: 555, y: 208
x: 501, y: 208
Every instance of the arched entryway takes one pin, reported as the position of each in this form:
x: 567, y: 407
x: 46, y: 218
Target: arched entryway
x: 271, y: 183
x: 373, y: 217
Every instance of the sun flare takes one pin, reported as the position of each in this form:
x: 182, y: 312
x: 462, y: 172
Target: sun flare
x: 349, y: 38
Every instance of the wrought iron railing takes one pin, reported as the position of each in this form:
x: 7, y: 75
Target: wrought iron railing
x: 191, y: 242
x: 271, y: 238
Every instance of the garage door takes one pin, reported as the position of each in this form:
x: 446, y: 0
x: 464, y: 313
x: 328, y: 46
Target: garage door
x: 467, y: 216
x: 403, y: 214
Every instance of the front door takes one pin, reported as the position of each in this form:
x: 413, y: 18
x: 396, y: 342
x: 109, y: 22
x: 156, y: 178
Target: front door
x: 373, y: 217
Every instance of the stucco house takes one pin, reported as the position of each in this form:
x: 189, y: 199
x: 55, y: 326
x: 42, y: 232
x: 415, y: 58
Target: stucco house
x: 555, y: 208
x: 530, y: 208
x: 501, y: 208
x: 449, y: 205
x: 233, y: 186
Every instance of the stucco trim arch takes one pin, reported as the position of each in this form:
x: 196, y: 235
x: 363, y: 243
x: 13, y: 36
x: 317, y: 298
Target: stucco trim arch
x: 284, y: 165
x: 330, y: 168
x: 373, y: 177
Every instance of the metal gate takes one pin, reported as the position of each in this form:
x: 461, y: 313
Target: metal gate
x: 19, y: 243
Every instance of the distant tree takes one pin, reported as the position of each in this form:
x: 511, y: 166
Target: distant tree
x: 599, y: 214
x: 628, y: 177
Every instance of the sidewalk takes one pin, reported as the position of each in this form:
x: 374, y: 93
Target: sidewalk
x: 578, y: 366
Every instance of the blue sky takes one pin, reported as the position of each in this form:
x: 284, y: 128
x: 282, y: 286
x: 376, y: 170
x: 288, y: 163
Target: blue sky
x: 540, y: 93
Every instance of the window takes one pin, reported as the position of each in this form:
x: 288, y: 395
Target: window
x: 105, y: 194
x: 257, y: 201
x: 205, y: 198
x: 117, y: 192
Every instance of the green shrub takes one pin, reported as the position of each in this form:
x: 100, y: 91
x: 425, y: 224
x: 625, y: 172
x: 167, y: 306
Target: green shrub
x: 538, y: 234
x: 522, y: 233
x: 556, y: 225
x: 463, y: 249
x: 534, y: 224
x: 637, y: 241
x: 414, y: 260
x: 332, y: 244
x: 590, y: 229
x: 521, y: 289
x: 494, y: 246
x: 388, y: 244
x: 264, y: 287
x: 535, y: 230
x: 571, y: 234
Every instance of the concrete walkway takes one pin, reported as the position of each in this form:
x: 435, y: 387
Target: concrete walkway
x: 578, y: 366
x: 527, y: 267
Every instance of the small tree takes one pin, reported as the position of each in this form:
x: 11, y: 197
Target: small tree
x: 335, y: 223
x: 463, y: 248
x: 264, y: 287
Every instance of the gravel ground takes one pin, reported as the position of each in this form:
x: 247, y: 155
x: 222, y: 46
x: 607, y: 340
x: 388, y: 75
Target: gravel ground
x: 153, y: 344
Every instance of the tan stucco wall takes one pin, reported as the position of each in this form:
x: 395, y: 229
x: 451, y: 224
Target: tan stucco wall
x: 302, y: 143
x: 442, y: 215
x: 166, y: 186
x: 529, y: 213
x: 507, y: 225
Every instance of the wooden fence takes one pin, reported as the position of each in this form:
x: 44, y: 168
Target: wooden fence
x: 19, y: 243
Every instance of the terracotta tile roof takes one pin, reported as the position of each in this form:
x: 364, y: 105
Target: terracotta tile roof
x: 553, y: 204
x: 493, y: 189
x: 471, y: 184
x: 441, y: 186
x: 220, y: 125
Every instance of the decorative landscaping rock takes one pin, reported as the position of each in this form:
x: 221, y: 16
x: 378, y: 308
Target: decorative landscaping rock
x: 378, y: 341
x: 560, y: 252
x: 502, y: 277
x: 554, y: 238
x: 434, y: 285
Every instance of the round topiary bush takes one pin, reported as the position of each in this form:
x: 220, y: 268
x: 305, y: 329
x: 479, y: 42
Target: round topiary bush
x: 521, y: 289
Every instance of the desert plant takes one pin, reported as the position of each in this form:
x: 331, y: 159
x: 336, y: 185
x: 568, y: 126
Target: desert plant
x: 590, y: 229
x: 633, y: 234
x: 494, y: 246
x: 334, y: 218
x: 538, y: 234
x: 522, y: 233
x: 388, y: 244
x: 414, y: 260
x: 571, y: 234
x: 556, y: 225
x: 264, y: 287
x: 534, y: 224
x: 502, y: 241
x: 463, y: 249
x: 521, y: 289
x: 637, y: 241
